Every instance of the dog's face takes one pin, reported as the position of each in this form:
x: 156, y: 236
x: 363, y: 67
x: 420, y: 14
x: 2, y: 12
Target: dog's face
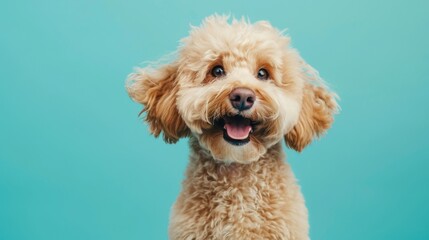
x: 239, y: 89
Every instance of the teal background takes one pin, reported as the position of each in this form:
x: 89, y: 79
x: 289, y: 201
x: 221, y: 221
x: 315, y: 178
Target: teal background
x: 77, y: 163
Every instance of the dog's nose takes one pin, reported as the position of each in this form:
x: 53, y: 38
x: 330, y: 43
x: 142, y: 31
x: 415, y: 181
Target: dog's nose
x: 242, y: 98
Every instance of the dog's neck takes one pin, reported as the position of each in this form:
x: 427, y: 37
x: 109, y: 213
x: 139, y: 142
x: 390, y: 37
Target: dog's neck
x: 258, y: 200
x: 202, y: 163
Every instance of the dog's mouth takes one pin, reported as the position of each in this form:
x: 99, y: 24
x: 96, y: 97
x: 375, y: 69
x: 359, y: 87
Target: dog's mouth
x: 236, y: 129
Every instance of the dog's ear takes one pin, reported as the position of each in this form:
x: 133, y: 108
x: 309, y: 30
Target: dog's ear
x: 317, y: 110
x: 157, y: 90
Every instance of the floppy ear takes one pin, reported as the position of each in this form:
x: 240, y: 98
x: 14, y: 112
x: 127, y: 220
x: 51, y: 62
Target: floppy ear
x: 157, y: 90
x: 317, y: 110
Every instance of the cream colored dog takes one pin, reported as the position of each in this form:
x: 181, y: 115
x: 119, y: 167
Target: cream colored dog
x: 236, y: 90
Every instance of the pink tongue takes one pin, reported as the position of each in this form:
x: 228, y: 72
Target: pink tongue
x: 237, y: 132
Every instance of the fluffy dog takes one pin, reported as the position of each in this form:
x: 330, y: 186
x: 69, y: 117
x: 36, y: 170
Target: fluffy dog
x: 236, y: 90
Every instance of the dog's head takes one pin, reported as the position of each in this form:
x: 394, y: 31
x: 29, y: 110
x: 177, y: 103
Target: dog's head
x: 238, y: 88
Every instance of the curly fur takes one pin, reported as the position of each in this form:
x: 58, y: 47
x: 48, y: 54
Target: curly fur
x: 236, y: 192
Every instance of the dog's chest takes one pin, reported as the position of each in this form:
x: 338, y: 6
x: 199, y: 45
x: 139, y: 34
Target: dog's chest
x: 232, y: 203
x: 251, y: 208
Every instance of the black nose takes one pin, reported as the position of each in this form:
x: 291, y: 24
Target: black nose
x: 242, y: 98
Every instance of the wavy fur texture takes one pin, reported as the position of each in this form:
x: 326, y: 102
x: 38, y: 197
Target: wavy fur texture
x: 230, y: 191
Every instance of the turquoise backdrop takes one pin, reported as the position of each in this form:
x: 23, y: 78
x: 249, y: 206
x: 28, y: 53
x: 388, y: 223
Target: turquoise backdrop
x: 76, y: 162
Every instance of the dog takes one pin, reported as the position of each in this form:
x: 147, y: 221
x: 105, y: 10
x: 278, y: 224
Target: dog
x: 236, y: 89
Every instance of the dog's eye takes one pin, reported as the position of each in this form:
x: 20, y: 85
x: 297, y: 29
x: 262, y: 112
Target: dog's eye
x: 263, y: 74
x: 218, y: 71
